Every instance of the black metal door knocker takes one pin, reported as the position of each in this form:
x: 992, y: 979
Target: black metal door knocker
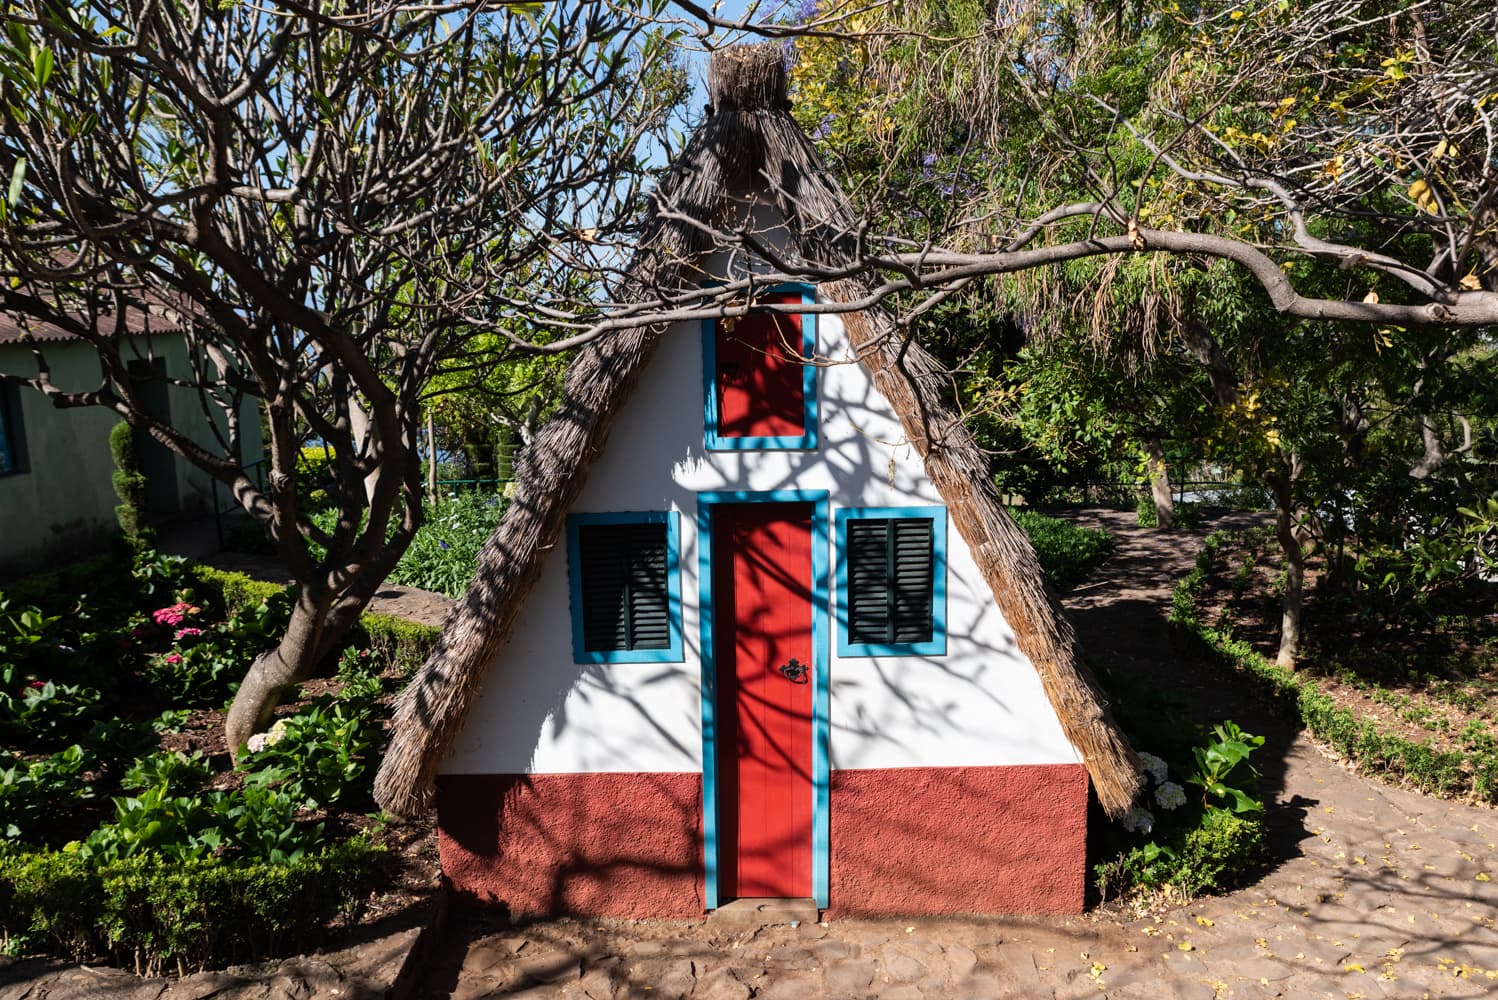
x: 794, y: 671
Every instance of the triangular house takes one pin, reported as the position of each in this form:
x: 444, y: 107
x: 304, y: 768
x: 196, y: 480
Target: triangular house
x: 754, y: 628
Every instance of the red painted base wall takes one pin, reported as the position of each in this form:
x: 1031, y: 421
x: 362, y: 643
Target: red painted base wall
x: 903, y: 841
x: 959, y: 840
x: 621, y: 845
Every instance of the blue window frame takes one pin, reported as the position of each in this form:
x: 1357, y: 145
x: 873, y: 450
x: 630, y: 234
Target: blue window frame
x: 624, y: 582
x: 892, y: 581
x: 714, y: 439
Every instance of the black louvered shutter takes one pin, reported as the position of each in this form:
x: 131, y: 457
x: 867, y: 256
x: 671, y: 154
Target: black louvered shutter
x: 624, y: 594
x: 868, y: 580
x: 910, y: 579
x: 890, y: 577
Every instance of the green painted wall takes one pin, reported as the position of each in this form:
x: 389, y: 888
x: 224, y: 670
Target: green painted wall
x: 62, y: 506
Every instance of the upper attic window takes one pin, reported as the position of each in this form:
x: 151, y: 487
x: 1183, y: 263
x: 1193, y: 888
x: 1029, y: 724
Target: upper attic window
x: 760, y: 389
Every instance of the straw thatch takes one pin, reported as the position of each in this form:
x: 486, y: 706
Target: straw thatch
x: 748, y: 143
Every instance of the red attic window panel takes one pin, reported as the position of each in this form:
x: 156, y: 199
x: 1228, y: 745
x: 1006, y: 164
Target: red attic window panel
x: 759, y: 378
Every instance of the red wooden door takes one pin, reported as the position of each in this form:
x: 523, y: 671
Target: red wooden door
x: 762, y: 639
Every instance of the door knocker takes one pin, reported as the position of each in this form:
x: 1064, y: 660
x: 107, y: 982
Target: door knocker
x: 794, y: 671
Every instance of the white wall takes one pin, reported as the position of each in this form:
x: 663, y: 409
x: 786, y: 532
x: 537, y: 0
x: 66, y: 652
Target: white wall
x: 980, y: 704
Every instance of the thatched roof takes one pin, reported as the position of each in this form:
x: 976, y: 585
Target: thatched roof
x: 748, y: 138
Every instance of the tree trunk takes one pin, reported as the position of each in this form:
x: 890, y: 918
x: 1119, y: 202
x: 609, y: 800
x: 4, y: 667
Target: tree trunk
x: 431, y: 459
x: 1165, y: 508
x: 293, y: 660
x: 1290, y: 536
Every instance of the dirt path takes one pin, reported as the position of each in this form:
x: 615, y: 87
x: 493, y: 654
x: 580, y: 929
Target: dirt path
x: 1372, y: 891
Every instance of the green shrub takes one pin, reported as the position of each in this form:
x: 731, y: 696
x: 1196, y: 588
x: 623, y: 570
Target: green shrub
x: 1444, y: 772
x: 130, y: 486
x: 320, y: 756
x: 1144, y: 511
x: 1067, y: 552
x: 1186, y: 515
x: 1187, y: 845
x: 32, y: 792
x: 181, y: 914
x: 395, y: 640
x: 444, y: 552
x: 232, y: 591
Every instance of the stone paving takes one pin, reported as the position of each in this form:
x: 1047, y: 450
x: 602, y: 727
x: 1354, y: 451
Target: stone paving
x: 1372, y: 892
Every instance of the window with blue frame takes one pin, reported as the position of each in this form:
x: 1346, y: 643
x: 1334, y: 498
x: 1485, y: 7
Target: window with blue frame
x: 12, y: 445
x: 892, y: 581
x: 625, y: 582
x: 759, y: 389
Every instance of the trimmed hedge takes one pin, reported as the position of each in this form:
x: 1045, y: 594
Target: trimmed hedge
x: 390, y: 638
x: 234, y: 590
x: 1440, y: 772
x: 396, y: 640
x: 157, y: 914
x: 1067, y: 552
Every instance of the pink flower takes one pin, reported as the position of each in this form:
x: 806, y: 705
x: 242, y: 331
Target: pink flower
x: 172, y: 658
x: 183, y: 633
x: 37, y: 684
x: 174, y: 614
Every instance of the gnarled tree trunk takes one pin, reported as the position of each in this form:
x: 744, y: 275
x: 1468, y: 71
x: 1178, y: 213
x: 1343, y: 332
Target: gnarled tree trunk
x: 292, y: 661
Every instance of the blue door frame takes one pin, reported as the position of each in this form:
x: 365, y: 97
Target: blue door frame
x: 821, y: 766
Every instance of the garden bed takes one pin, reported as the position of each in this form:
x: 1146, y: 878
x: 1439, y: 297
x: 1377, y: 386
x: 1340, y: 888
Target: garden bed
x: 1405, y: 693
x: 127, y: 832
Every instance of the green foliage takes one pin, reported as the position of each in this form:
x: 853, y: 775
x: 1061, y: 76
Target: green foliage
x: 396, y: 640
x: 130, y: 486
x: 1359, y: 738
x: 234, y: 590
x: 1187, y: 591
x: 323, y: 754
x: 205, y: 663
x: 156, y: 574
x: 178, y: 870
x: 33, y: 792
x: 169, y: 820
x: 1223, y: 771
x: 1183, y: 847
x: 181, y: 914
x: 1067, y: 552
x: 443, y: 554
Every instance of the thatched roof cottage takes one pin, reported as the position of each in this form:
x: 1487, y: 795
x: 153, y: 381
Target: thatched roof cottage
x: 755, y: 623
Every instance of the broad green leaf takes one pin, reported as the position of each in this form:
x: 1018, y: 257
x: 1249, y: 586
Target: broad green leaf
x: 41, y: 66
x: 17, y: 179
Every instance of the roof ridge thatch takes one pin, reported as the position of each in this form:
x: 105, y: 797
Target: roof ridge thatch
x: 748, y: 137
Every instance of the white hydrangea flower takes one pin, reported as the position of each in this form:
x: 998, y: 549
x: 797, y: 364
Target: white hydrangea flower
x: 276, y: 732
x: 1153, y: 766
x: 1139, y: 820
x: 256, y: 743
x: 1170, y: 796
